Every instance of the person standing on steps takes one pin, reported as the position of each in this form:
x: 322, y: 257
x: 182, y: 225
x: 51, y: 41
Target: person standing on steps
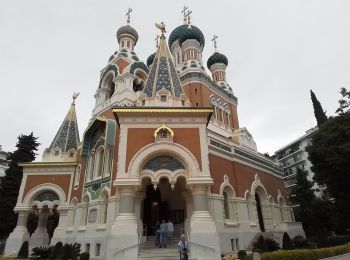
x: 183, y: 247
x: 163, y: 229
x: 170, y: 229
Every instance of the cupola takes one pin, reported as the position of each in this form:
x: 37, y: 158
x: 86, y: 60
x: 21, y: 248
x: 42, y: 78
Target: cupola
x: 127, y: 36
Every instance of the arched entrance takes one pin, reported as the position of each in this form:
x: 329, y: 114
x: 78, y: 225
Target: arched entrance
x: 260, y: 213
x: 163, y: 202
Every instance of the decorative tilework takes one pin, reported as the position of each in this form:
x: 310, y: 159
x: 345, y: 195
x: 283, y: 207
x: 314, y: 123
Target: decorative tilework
x: 163, y: 162
x: 163, y: 80
x: 150, y: 80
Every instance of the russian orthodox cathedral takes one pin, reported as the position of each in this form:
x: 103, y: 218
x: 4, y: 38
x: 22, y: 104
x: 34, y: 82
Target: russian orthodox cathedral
x: 163, y: 142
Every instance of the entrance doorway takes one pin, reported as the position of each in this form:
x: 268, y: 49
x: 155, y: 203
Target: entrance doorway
x: 163, y: 203
x: 260, y: 214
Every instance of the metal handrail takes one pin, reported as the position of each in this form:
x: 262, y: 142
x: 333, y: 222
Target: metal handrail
x: 129, y: 246
x: 199, y: 244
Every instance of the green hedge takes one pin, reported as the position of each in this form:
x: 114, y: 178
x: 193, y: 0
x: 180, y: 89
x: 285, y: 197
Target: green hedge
x: 307, y: 254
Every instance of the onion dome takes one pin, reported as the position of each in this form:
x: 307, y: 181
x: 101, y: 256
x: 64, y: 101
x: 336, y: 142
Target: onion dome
x: 150, y: 59
x: 217, y: 58
x: 127, y: 29
x: 184, y: 32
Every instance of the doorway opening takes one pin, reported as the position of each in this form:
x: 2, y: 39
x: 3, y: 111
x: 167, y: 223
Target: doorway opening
x: 260, y: 214
x: 163, y: 202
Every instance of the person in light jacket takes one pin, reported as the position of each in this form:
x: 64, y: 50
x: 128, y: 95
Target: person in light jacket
x: 183, y: 247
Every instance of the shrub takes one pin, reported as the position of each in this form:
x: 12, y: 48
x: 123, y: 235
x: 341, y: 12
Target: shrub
x: 42, y: 252
x: 306, y: 254
x: 57, y: 252
x: 286, y: 242
x: 272, y: 245
x: 71, y: 251
x: 301, y: 242
x: 337, y: 240
x: 242, y: 254
x: 84, y: 256
x: 23, y: 251
x: 260, y: 245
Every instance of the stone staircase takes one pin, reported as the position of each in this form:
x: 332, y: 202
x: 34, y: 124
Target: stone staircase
x: 149, y: 251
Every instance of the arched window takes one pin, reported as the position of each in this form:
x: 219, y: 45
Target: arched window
x: 108, y: 163
x: 90, y: 168
x: 99, y: 159
x: 103, y: 208
x: 226, y: 205
x: 71, y: 213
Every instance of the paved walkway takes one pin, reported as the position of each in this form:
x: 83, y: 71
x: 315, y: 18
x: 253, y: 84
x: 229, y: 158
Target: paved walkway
x: 339, y: 257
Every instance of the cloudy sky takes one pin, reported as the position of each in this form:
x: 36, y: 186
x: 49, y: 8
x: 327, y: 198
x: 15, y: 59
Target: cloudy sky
x: 277, y: 50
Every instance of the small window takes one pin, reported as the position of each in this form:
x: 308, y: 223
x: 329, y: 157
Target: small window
x: 233, y: 244
x: 71, y: 154
x: 164, y: 133
x: 163, y: 98
x: 183, y: 102
x: 128, y: 44
x: 195, y: 91
x: 56, y: 153
x: 97, y: 249
x: 143, y: 102
x: 87, y: 248
x: 122, y: 44
x: 197, y: 104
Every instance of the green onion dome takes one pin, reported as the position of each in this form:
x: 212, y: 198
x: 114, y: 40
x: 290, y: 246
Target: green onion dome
x: 217, y: 58
x: 183, y: 33
x: 150, y: 59
x: 127, y: 29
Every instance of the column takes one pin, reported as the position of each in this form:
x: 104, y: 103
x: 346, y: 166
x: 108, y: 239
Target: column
x: 40, y: 236
x: 140, y: 196
x: 189, y: 210
x: 18, y: 235
x: 203, y: 235
x: 123, y: 233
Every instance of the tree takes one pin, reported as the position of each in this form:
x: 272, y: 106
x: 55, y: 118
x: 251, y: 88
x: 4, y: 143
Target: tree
x: 329, y: 154
x: 303, y: 194
x: 11, y: 182
x: 52, y: 223
x: 318, y: 110
x: 343, y: 103
x: 32, y: 223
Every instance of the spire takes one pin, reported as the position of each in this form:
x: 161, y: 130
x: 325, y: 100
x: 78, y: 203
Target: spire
x: 163, y: 78
x: 67, y: 136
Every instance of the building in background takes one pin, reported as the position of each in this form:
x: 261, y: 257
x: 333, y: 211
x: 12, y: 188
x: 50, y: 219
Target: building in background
x: 164, y: 142
x: 292, y: 157
x: 4, y: 162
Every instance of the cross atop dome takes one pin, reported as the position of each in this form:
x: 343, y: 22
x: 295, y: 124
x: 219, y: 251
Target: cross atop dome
x: 214, y: 42
x: 184, y: 13
x: 189, y: 12
x: 128, y: 13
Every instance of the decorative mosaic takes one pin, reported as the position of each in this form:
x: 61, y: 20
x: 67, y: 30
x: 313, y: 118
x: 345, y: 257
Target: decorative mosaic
x: 94, y: 188
x: 163, y: 80
x: 163, y: 162
x: 47, y: 195
x: 176, y: 82
x: 151, y: 78
x: 220, y: 145
x: 67, y: 136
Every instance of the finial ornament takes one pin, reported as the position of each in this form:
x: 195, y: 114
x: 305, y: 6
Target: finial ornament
x: 161, y: 27
x: 75, y: 95
x: 189, y: 12
x: 184, y: 13
x: 156, y: 39
x: 214, y: 41
x: 128, y: 15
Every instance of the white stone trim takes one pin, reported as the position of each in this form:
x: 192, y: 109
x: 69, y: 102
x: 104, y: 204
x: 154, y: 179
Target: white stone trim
x: 151, y: 150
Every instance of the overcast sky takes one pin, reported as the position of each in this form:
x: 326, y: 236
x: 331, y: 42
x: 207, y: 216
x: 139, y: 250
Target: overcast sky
x: 277, y: 51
